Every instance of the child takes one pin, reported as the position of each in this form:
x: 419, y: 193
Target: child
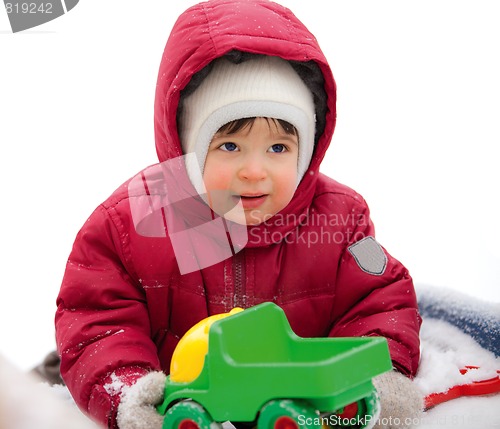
x: 244, y: 112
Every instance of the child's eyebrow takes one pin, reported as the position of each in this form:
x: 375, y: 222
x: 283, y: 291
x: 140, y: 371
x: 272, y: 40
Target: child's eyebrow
x: 292, y: 138
x: 288, y: 137
x: 221, y: 136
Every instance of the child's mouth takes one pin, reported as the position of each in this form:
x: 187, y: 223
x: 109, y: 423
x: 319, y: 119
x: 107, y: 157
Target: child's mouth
x: 252, y: 201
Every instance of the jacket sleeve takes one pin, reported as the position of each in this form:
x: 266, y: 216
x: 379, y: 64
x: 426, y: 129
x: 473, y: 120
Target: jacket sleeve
x: 102, y: 324
x: 375, y: 296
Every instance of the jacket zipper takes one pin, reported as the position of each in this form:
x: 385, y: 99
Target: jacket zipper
x: 239, y: 298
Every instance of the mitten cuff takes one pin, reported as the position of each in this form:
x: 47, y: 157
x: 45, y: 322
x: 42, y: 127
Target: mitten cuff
x: 401, y: 401
x: 105, y: 396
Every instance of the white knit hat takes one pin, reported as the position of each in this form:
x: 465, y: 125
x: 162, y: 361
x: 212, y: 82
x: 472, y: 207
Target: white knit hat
x: 260, y: 87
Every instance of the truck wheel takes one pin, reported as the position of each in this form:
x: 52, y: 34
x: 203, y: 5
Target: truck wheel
x: 288, y: 414
x: 362, y: 414
x: 189, y: 415
x: 371, y: 405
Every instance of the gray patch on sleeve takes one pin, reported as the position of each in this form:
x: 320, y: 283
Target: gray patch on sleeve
x: 369, y: 256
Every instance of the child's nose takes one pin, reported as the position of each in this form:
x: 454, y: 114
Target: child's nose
x: 253, y: 168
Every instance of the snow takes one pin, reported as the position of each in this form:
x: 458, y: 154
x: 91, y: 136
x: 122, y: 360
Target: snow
x: 464, y: 413
x: 26, y: 403
x: 446, y: 349
x: 115, y: 386
x: 416, y: 136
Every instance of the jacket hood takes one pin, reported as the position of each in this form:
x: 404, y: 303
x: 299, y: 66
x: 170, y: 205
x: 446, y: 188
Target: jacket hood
x: 214, y: 28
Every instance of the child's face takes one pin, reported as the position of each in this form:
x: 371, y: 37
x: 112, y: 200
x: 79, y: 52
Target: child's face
x: 257, y: 164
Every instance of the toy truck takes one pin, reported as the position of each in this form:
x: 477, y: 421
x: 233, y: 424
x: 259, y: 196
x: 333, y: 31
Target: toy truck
x: 256, y: 371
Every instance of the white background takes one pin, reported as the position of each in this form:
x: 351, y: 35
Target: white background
x: 417, y: 136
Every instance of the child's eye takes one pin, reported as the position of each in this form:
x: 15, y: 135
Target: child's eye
x: 228, y: 147
x: 277, y: 148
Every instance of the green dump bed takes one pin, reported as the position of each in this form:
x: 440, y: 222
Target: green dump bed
x: 254, y: 356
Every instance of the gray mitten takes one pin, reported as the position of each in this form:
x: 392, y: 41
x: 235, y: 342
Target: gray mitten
x: 137, y: 404
x: 401, y: 401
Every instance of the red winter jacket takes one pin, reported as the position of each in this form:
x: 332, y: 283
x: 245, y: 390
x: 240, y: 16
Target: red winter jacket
x: 123, y: 304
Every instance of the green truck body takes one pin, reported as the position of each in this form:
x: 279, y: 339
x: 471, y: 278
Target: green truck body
x: 254, y: 357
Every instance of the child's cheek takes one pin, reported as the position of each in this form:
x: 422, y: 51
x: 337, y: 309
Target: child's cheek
x: 216, y: 177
